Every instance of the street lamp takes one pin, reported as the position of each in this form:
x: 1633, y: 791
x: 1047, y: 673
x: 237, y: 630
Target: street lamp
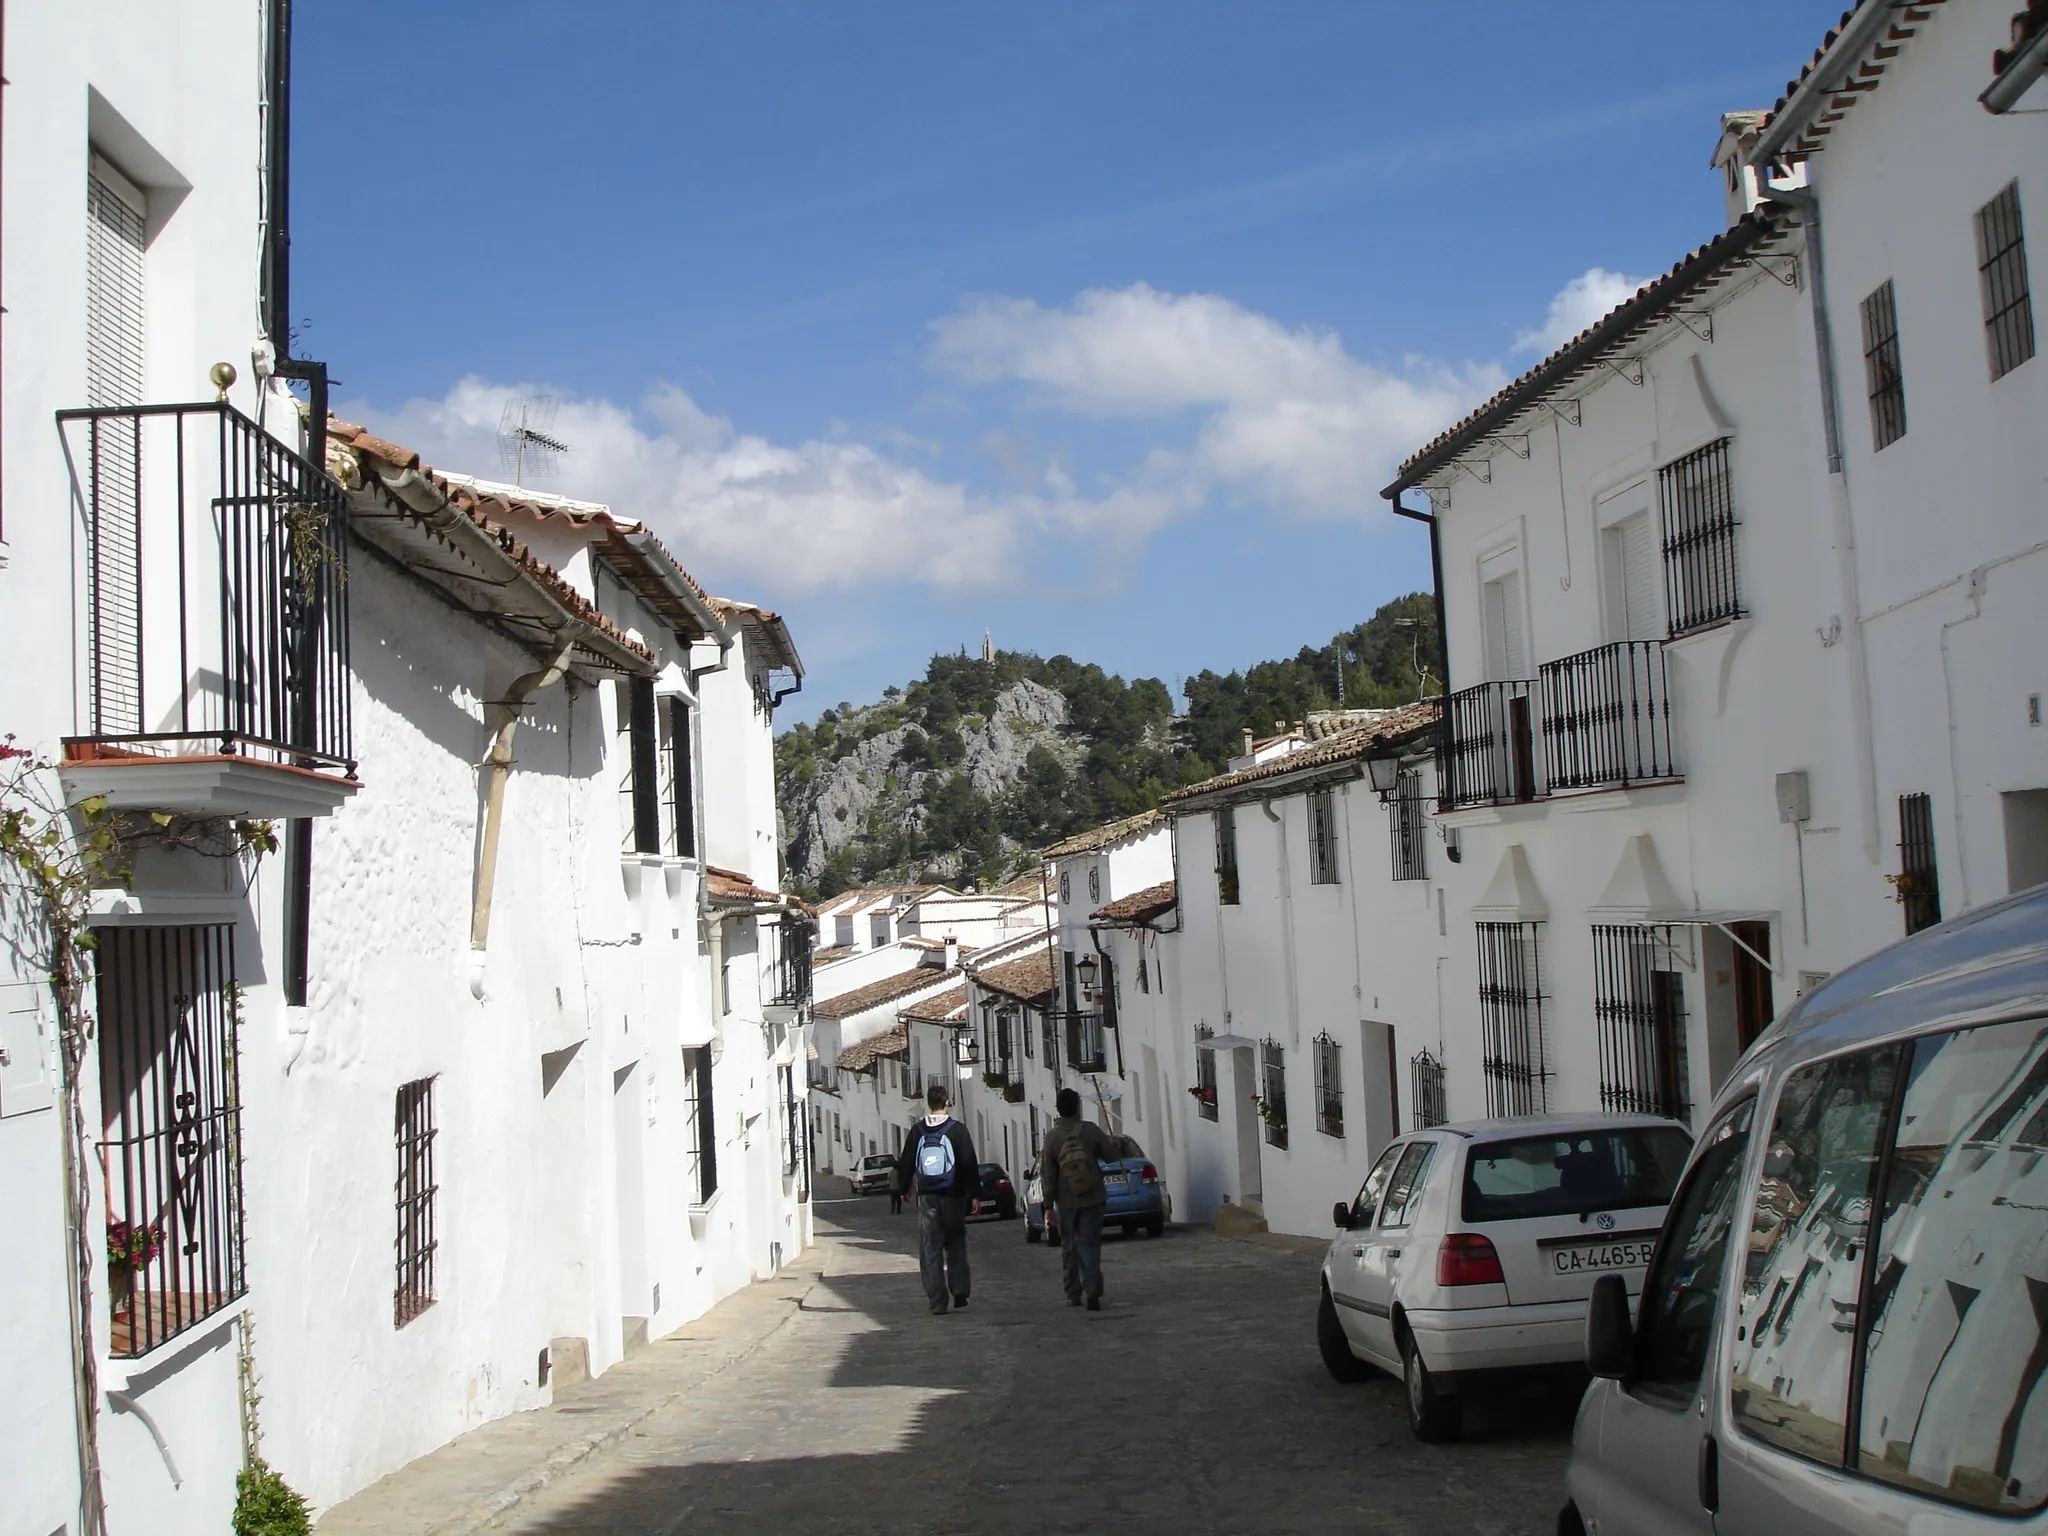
x: 1386, y: 775
x: 1086, y: 969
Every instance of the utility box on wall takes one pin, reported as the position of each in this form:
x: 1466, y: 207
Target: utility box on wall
x: 1795, y: 803
x: 27, y: 1061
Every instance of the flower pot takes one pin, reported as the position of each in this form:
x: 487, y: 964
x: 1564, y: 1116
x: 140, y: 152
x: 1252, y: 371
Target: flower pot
x: 121, y: 1291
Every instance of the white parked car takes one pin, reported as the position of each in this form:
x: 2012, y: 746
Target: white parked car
x: 1472, y: 1248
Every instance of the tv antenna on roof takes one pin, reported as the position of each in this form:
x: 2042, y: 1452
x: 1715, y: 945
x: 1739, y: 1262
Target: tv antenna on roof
x: 527, y: 445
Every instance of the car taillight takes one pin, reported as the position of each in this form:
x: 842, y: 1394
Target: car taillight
x: 1466, y: 1258
x: 1002, y: 1183
x: 1148, y: 1174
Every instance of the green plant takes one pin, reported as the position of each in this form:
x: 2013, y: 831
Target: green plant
x: 267, y: 1505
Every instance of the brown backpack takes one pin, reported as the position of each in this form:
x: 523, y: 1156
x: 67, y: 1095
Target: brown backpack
x: 1080, y: 1175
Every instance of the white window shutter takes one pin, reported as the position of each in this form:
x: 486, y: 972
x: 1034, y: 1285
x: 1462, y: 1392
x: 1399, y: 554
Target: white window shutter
x: 1642, y: 579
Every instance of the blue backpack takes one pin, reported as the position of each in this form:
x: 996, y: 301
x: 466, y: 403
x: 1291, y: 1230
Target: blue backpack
x: 934, y: 1160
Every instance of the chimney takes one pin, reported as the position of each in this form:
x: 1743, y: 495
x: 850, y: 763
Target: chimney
x: 952, y: 952
x: 1247, y: 741
x: 1740, y: 185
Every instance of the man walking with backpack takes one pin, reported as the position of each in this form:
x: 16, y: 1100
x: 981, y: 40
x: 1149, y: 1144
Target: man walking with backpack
x: 1070, y: 1166
x: 939, y: 1163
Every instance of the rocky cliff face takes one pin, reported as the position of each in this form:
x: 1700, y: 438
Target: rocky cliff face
x: 881, y: 790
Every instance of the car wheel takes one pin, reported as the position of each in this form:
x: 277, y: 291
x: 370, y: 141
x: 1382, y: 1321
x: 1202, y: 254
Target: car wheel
x: 1032, y: 1234
x: 1156, y: 1227
x: 1569, y: 1523
x: 1335, y: 1348
x: 1432, y: 1415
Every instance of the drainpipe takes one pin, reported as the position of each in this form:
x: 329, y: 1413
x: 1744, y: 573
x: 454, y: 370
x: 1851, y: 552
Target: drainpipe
x: 1436, y: 578
x: 497, y: 766
x: 1864, y: 738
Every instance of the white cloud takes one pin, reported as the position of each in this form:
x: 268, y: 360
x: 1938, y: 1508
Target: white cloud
x: 1578, y: 304
x: 1291, y: 417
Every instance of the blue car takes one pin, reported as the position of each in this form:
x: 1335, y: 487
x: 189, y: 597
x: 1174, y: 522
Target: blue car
x: 1138, y: 1197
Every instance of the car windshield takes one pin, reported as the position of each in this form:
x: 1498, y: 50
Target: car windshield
x: 993, y: 1171
x: 1127, y: 1148
x: 1573, y: 1173
x: 879, y: 1160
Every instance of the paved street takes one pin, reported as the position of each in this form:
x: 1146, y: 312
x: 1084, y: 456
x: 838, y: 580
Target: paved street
x: 1194, y: 1401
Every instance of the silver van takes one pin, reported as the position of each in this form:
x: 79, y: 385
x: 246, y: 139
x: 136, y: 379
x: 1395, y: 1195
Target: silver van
x: 1845, y: 1326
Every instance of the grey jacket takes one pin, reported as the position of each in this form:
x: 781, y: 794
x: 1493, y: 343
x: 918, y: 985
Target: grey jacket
x: 1107, y: 1149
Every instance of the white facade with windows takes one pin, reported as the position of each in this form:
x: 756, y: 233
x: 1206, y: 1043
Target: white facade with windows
x: 1742, y: 695
x: 495, y: 1070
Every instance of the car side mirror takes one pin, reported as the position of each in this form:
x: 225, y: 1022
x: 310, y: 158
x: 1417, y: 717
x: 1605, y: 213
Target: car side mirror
x: 1610, y: 1334
x: 1342, y: 1217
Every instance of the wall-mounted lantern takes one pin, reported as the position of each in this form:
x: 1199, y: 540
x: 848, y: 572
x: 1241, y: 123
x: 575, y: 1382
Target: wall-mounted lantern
x: 1386, y: 775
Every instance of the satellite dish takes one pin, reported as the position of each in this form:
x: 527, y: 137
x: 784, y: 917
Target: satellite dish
x: 527, y: 445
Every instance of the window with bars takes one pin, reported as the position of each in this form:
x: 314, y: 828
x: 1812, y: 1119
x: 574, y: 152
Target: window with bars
x: 1639, y: 1011
x: 1918, y: 880
x: 1049, y: 1037
x: 1513, y: 1057
x: 792, y: 1119
x: 1329, y: 1064
x: 1205, y: 1077
x: 1882, y: 367
x: 1407, y: 826
x: 639, y: 782
x: 170, y: 1153
x: 1426, y: 1090
x: 1272, y: 1103
x: 416, y: 1242
x: 1697, y: 498
x: 704, y: 1124
x: 2002, y: 274
x: 678, y: 779
x: 1226, y: 856
x: 1322, y: 837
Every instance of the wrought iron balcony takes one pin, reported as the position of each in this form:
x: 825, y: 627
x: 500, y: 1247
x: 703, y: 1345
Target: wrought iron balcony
x: 790, y: 970
x: 1607, y: 717
x: 211, y: 582
x: 1486, y: 752
x: 1086, y: 1047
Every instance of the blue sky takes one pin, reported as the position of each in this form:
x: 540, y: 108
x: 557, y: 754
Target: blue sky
x: 1099, y: 325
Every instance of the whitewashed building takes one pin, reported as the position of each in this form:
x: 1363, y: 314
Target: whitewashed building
x: 493, y: 1067
x: 1743, y: 651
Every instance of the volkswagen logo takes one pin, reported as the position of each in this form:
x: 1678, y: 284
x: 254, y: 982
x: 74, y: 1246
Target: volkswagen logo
x: 1604, y: 1222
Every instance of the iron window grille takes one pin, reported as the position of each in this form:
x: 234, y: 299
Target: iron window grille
x: 171, y: 1154
x: 1426, y: 1091
x: 679, y: 780
x: 212, y: 582
x: 793, y: 1119
x: 1226, y: 856
x: 1205, y: 1077
x: 1094, y: 882
x: 1486, y: 746
x: 639, y: 790
x: 2002, y: 274
x: 415, y: 1243
x: 1049, y: 1032
x: 704, y: 1124
x: 1883, y: 370
x: 1696, y: 495
x: 1513, y: 1057
x: 1086, y: 1047
x: 1918, y: 880
x: 1639, y: 1010
x: 1272, y: 1103
x: 1607, y: 717
x: 1407, y: 826
x: 1066, y: 886
x: 1322, y: 837
x: 1329, y: 1063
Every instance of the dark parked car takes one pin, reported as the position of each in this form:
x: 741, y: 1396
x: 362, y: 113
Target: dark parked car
x: 997, y: 1194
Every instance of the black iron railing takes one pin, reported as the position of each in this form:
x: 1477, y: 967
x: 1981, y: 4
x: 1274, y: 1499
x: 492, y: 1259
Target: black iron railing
x: 1514, y: 1058
x: 213, y: 585
x: 414, y: 1198
x: 1639, y: 1008
x: 1087, y: 1050
x: 790, y: 979
x: 1486, y: 752
x: 1426, y: 1091
x: 1408, y: 827
x: 1607, y: 717
x: 1702, y: 583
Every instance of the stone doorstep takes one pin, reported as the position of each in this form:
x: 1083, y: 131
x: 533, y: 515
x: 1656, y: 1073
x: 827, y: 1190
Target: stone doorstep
x: 467, y: 1484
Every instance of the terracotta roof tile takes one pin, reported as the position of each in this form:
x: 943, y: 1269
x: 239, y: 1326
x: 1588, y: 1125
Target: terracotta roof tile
x: 1101, y: 837
x: 939, y: 1008
x: 831, y: 953
x: 1863, y: 74
x: 876, y: 993
x: 862, y: 1055
x: 1027, y: 979
x: 1396, y: 729
x: 730, y: 886
x: 1140, y: 906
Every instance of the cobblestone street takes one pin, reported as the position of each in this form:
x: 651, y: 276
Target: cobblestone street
x: 1194, y: 1401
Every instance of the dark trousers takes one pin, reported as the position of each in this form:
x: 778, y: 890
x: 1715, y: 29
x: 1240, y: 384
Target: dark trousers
x: 895, y: 1200
x: 942, y: 1248
x: 1081, y: 1248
